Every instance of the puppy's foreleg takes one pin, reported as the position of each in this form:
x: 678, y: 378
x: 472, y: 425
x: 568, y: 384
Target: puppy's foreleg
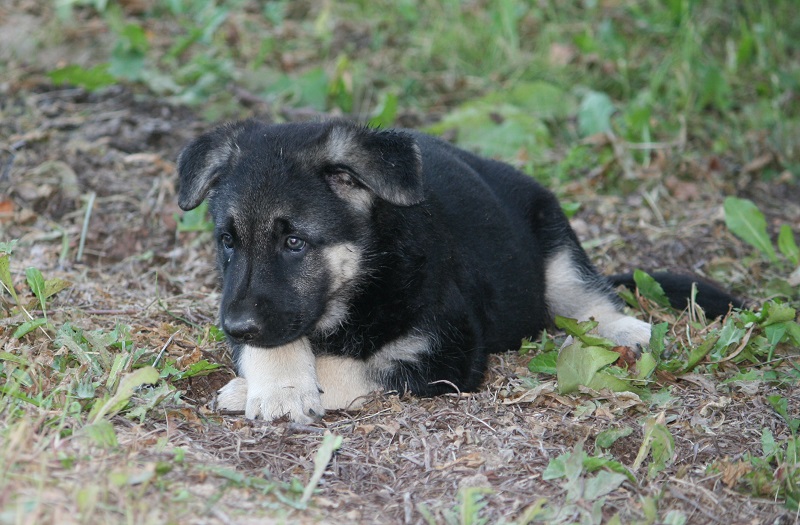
x: 277, y: 381
x: 575, y: 290
x: 344, y: 381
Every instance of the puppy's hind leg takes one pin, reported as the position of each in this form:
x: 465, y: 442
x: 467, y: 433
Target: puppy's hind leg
x: 574, y: 289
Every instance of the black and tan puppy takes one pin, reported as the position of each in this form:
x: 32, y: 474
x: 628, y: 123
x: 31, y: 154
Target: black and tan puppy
x: 355, y: 259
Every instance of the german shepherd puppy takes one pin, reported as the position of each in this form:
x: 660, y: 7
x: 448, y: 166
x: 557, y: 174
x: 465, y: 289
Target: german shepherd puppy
x: 355, y: 259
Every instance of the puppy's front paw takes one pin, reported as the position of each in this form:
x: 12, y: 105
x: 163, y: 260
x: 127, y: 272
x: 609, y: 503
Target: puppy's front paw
x: 301, y: 402
x: 280, y: 381
x: 626, y: 331
x: 233, y: 396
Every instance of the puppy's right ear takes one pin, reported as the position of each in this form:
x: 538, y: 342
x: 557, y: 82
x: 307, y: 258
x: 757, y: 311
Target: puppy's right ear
x: 201, y: 163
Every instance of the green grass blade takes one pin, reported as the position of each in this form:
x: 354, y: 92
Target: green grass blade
x: 747, y: 222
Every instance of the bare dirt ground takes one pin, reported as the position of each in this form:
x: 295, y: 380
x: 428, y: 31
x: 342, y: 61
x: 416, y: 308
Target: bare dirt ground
x: 398, y: 455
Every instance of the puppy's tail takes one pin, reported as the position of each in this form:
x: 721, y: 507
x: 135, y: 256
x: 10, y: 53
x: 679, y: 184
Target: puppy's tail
x: 714, y: 301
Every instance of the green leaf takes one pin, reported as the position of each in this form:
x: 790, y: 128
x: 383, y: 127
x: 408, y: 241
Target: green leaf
x: 570, y: 208
x: 28, y: 327
x: 330, y: 444
x: 608, y: 437
x: 729, y: 335
x: 7, y: 247
x: 650, y: 288
x: 544, y: 363
x: 787, y: 245
x: 579, y: 365
x: 144, y: 376
x: 698, y: 353
x: 594, y: 463
x: 594, y: 114
x: 747, y: 222
x: 53, y: 286
x: 195, y: 220
x: 768, y: 445
x: 658, y: 443
x: 200, y: 368
x: 5, y: 276
x: 385, y: 113
x: 645, y: 366
x: 102, y: 433
x: 581, y: 331
x: 777, y: 313
x: 36, y: 282
x: 604, y: 483
x: 92, y: 79
x: 659, y: 331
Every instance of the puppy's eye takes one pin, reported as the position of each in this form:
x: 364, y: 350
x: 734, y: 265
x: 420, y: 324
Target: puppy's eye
x: 227, y: 241
x: 295, y: 244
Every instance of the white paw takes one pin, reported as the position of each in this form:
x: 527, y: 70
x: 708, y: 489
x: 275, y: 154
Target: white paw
x: 233, y: 396
x: 626, y: 331
x: 301, y: 403
x: 278, y: 381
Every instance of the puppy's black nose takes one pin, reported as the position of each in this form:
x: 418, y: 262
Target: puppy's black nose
x: 243, y: 329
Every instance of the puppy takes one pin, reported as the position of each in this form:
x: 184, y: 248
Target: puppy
x: 355, y: 259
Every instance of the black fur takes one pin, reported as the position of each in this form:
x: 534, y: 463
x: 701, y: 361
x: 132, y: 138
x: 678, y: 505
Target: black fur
x: 715, y: 301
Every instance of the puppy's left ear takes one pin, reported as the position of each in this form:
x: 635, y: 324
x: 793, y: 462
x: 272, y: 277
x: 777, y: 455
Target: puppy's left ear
x: 388, y: 163
x: 202, y: 162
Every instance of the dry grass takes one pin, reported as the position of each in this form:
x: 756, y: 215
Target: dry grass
x: 402, y: 460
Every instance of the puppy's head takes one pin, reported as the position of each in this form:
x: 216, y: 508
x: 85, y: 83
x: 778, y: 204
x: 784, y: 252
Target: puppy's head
x: 292, y: 207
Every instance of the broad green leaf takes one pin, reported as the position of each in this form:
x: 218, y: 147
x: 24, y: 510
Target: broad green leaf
x: 200, y: 368
x: 608, y: 437
x: 36, y: 282
x: 747, y: 222
x: 7, y: 247
x: 7, y: 356
x: 579, y: 365
x: 581, y: 331
x: 28, y: 327
x: 787, y: 245
x: 594, y: 114
x: 496, y: 130
x: 102, y: 433
x: 593, y: 463
x: 144, y: 376
x: 540, y: 99
x: 768, y: 445
x: 385, y: 113
x: 568, y: 464
x: 645, y: 366
x: 659, y: 331
x: 604, y: 483
x: 658, y: 443
x: 777, y: 313
x: 53, y: 286
x: 544, y: 363
x: 650, y: 288
x: 729, y: 335
x: 698, y: 353
x: 604, y: 380
x: 570, y: 208
x: 195, y: 220
x: 92, y: 79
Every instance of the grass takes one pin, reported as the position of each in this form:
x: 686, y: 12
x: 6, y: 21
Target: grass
x: 642, y: 115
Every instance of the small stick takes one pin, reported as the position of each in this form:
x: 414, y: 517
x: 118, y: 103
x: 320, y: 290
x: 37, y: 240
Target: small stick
x: 85, y: 227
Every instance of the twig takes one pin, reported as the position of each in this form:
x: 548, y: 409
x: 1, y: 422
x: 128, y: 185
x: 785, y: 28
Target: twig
x: 163, y: 348
x: 85, y: 227
x: 11, y: 156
